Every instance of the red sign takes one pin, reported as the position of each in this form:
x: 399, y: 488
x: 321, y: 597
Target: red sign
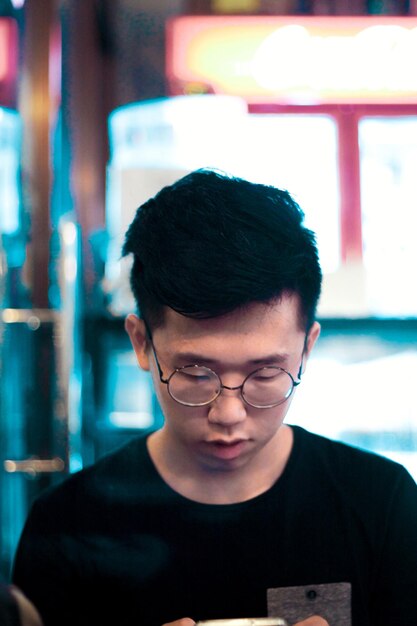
x: 295, y: 60
x: 8, y: 61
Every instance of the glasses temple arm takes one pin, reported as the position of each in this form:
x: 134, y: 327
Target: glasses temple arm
x: 300, y: 371
x: 150, y: 339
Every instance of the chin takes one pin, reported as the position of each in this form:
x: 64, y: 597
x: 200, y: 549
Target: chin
x: 219, y: 465
x: 224, y: 461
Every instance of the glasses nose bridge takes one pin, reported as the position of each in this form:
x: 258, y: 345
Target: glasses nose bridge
x: 231, y: 388
x: 237, y: 388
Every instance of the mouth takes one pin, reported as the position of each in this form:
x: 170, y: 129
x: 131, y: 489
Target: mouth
x: 227, y: 449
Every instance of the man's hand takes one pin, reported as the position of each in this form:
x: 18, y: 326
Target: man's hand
x: 29, y: 616
x: 315, y: 620
x: 187, y: 621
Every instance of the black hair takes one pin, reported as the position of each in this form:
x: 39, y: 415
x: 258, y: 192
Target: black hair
x: 210, y: 244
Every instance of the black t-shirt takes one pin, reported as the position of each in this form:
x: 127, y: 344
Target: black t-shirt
x: 114, y: 544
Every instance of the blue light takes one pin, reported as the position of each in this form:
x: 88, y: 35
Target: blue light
x: 10, y: 140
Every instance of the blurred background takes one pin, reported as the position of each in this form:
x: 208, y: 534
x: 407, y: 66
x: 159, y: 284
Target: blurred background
x: 104, y: 101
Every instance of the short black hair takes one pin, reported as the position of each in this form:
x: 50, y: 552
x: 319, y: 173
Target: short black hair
x: 210, y: 244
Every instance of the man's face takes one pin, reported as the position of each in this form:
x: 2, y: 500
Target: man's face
x: 227, y: 433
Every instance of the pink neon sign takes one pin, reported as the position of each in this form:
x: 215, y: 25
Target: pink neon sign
x: 8, y: 60
x: 295, y: 60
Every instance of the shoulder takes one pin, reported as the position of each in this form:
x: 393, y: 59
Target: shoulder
x: 108, y: 481
x: 350, y: 465
x: 360, y: 485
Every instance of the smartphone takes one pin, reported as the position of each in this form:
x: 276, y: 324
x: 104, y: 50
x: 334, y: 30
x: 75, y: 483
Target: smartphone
x: 245, y: 621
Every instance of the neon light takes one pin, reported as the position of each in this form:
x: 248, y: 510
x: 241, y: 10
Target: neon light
x: 306, y: 60
x: 8, y: 59
x: 4, y: 50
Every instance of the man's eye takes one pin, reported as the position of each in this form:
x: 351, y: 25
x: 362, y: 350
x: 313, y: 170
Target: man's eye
x: 196, y: 375
x: 199, y: 377
x: 266, y: 376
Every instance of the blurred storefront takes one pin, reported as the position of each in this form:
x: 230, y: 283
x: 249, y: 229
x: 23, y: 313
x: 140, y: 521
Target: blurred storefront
x: 104, y: 102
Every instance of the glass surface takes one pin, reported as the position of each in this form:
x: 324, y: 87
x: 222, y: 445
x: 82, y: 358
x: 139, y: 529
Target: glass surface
x: 388, y: 151
x: 298, y: 153
x: 359, y: 388
x: 181, y: 132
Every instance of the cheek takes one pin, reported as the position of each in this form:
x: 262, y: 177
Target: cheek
x: 271, y: 419
x: 167, y: 404
x: 182, y: 418
x: 161, y: 389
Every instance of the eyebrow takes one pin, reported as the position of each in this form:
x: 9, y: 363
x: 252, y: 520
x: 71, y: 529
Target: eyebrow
x: 192, y: 358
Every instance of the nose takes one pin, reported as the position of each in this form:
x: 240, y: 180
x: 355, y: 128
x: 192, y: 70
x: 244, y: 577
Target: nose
x: 228, y: 409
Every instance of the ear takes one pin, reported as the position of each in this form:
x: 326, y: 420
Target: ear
x: 135, y: 328
x: 312, y: 337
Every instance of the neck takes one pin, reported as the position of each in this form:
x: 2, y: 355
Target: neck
x: 228, y: 485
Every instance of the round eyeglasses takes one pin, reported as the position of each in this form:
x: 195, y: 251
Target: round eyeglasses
x: 198, y: 385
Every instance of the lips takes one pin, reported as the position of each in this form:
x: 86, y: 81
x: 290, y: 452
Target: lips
x: 225, y: 442
x: 227, y: 449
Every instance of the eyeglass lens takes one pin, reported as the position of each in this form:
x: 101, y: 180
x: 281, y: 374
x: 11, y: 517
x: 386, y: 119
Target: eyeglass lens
x: 195, y: 385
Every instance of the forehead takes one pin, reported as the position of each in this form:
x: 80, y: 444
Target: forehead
x: 257, y: 327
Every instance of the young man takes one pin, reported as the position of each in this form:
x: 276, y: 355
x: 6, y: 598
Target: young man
x: 226, y: 511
